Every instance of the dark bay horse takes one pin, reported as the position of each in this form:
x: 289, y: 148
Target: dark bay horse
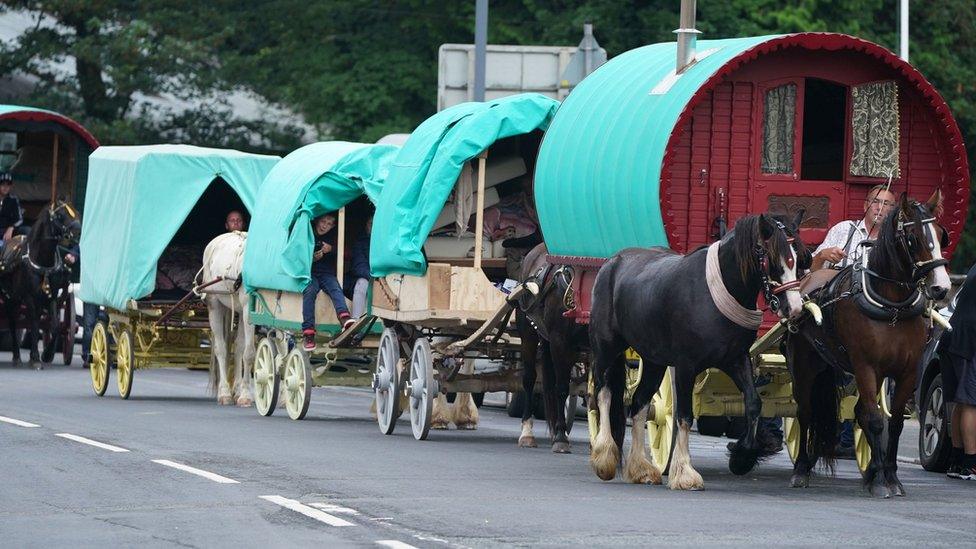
x: 873, y: 328
x: 557, y: 340
x: 34, y: 270
x: 661, y: 303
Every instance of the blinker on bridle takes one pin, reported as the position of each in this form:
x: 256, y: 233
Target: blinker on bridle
x: 771, y: 288
x: 921, y: 269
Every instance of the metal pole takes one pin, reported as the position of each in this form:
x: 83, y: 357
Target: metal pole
x: 588, y: 52
x: 341, y: 245
x: 54, y: 169
x: 903, y: 30
x: 480, y: 47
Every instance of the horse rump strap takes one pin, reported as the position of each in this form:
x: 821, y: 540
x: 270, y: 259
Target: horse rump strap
x: 749, y: 319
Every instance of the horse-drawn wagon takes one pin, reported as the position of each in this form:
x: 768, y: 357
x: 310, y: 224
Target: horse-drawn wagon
x: 46, y: 155
x: 649, y: 152
x: 442, y: 298
x: 151, y: 210
x: 311, y: 181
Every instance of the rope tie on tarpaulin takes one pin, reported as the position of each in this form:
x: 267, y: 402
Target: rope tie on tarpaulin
x: 749, y: 319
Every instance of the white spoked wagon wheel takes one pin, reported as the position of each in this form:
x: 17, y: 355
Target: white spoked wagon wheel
x: 298, y: 383
x: 422, y: 388
x: 660, y: 426
x: 98, y: 361
x: 124, y: 362
x: 266, y: 380
x: 386, y: 382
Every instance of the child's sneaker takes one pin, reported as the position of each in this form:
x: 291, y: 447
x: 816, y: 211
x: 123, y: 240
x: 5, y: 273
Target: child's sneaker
x: 347, y: 320
x: 954, y: 471
x: 309, y: 337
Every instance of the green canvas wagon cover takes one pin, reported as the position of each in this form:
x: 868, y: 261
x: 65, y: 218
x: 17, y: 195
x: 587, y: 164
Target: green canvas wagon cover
x: 313, y: 180
x: 427, y: 167
x: 137, y: 199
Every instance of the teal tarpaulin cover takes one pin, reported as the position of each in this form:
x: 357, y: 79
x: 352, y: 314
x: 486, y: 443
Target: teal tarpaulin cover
x: 137, y: 198
x: 428, y: 165
x: 307, y: 183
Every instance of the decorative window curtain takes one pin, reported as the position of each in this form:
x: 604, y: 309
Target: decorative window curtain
x: 874, y: 125
x: 779, y: 114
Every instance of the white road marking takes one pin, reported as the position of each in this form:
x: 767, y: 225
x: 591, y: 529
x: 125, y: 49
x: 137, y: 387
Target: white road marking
x: 310, y: 512
x: 193, y: 470
x: 394, y: 544
x: 18, y: 422
x: 332, y: 508
x: 91, y: 442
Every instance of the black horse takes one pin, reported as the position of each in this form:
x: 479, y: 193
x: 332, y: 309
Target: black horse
x: 557, y: 340
x: 872, y: 328
x: 661, y: 303
x: 32, y: 272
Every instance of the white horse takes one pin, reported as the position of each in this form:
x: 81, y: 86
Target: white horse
x: 224, y: 258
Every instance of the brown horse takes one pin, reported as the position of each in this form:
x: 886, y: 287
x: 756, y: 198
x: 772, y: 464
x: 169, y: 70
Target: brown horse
x: 873, y: 328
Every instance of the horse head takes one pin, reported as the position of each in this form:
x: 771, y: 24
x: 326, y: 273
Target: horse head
x: 60, y: 222
x: 770, y: 250
x: 919, y: 241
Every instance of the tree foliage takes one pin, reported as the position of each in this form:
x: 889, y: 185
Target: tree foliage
x: 359, y: 69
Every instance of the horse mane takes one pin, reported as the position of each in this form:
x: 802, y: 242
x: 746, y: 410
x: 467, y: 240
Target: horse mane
x: 746, y: 235
x: 885, y: 256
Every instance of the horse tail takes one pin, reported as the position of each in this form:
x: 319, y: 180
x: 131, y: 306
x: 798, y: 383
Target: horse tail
x: 822, y: 437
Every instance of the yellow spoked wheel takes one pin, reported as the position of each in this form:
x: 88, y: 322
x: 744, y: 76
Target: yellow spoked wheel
x: 98, y: 358
x: 633, y: 379
x: 862, y: 449
x: 124, y: 362
x: 592, y: 415
x: 791, y: 437
x: 660, y: 424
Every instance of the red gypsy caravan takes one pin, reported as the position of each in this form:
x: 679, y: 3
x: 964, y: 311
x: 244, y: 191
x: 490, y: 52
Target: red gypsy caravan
x: 649, y: 152
x: 46, y: 153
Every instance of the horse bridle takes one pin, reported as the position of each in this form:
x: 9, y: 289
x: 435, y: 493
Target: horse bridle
x: 771, y: 288
x: 920, y: 269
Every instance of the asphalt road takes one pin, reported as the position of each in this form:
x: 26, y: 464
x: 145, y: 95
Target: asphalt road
x: 474, y: 489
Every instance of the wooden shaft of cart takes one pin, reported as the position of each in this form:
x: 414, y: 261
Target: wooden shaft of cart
x: 479, y: 219
x: 341, y: 244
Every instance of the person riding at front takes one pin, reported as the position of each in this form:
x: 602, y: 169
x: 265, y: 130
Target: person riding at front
x: 234, y: 221
x: 841, y: 246
x: 323, y: 277
x: 11, y: 216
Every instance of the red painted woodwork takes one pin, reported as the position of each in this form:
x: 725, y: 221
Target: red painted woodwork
x: 712, y: 163
x: 47, y: 116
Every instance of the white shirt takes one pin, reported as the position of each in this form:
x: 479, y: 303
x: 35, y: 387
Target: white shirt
x: 838, y: 236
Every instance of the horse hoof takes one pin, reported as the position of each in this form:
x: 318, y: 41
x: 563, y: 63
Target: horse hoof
x: 898, y: 490
x: 561, y: 448
x: 799, y: 481
x: 439, y: 425
x: 244, y: 402
x: 225, y: 401
x: 527, y: 442
x: 467, y: 426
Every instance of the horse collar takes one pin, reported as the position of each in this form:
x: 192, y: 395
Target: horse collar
x: 749, y: 319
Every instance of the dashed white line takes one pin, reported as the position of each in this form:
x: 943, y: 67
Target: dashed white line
x: 310, y: 512
x: 394, y: 544
x: 18, y: 422
x: 332, y: 508
x: 91, y: 442
x: 193, y: 470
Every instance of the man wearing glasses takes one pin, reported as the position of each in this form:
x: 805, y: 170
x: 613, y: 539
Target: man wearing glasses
x: 842, y: 247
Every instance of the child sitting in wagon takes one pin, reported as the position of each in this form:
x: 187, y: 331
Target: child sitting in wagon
x: 323, y: 277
